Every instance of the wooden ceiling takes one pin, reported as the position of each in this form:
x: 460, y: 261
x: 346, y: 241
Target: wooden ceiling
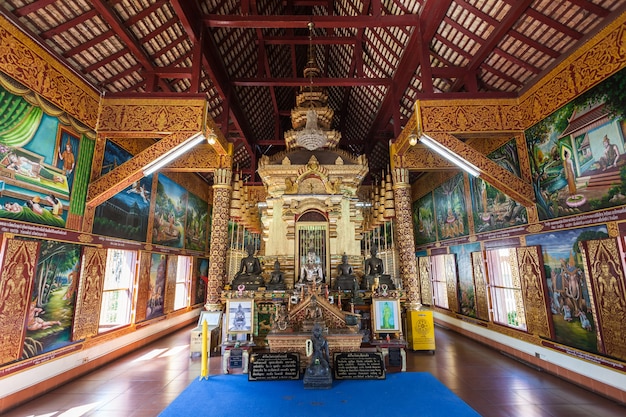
x: 377, y: 56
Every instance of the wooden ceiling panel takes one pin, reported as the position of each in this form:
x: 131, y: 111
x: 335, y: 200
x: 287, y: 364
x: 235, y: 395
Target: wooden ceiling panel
x: 481, y: 48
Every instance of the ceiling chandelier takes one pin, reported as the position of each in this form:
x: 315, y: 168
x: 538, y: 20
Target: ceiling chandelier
x: 311, y: 137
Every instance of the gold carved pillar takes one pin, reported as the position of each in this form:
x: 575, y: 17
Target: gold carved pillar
x: 219, y: 238
x: 405, y: 239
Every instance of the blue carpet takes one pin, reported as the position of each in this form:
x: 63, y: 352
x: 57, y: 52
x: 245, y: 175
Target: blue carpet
x: 403, y: 394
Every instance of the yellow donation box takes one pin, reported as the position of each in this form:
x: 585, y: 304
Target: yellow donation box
x: 420, y: 330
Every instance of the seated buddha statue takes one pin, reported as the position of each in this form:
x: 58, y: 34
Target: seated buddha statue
x: 311, y: 271
x: 346, y: 280
x: 374, y: 269
x: 277, y: 279
x: 249, y: 273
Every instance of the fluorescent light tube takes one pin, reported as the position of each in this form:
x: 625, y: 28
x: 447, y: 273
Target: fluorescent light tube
x: 168, y: 157
x: 449, y: 155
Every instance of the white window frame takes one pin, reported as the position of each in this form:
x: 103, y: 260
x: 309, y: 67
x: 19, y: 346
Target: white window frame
x: 182, y: 293
x: 439, y: 282
x: 506, y: 306
x: 117, y: 305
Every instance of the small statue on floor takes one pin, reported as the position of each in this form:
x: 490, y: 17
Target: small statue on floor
x: 317, y: 374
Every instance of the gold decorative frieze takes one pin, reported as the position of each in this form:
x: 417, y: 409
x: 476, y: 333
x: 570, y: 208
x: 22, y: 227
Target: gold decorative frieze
x: 153, y: 115
x: 27, y: 62
x: 455, y: 116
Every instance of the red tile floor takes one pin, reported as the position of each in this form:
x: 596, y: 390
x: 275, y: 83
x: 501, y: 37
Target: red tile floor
x: 143, y: 383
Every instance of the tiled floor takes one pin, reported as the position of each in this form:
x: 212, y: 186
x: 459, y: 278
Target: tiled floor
x: 145, y: 382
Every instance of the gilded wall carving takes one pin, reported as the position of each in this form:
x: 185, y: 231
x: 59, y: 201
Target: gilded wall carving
x: 25, y: 61
x: 425, y: 283
x: 608, y: 294
x: 451, y: 282
x: 18, y: 271
x: 593, y: 62
x: 170, y: 283
x: 89, y: 299
x: 480, y: 286
x: 534, y: 292
x: 143, y: 285
x: 152, y: 115
x: 452, y: 116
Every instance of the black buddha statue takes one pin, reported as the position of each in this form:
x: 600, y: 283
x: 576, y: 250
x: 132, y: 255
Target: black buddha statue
x: 277, y: 279
x: 374, y: 269
x: 249, y: 273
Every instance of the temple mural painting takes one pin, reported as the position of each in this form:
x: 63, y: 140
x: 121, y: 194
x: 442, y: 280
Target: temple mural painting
x: 197, y: 223
x: 467, y: 301
x: 169, y: 214
x: 156, y: 287
x: 577, y: 153
x: 38, y: 155
x: 424, y: 230
x: 568, y: 287
x: 491, y: 208
x: 450, y: 209
x: 125, y: 215
x: 202, y: 278
x: 53, y: 298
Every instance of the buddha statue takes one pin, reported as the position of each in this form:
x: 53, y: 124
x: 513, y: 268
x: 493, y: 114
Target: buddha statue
x: 346, y: 280
x: 374, y: 269
x: 277, y: 279
x: 249, y: 273
x: 311, y: 271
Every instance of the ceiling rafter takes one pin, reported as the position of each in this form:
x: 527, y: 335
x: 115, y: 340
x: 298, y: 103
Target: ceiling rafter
x: 554, y: 24
x: 247, y: 57
x: 518, y: 8
x: 120, y: 30
x: 89, y: 44
x: 591, y: 7
x: 433, y: 13
x: 63, y: 27
x: 189, y: 13
x: 296, y: 21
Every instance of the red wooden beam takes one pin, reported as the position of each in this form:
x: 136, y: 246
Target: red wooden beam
x: 297, y: 21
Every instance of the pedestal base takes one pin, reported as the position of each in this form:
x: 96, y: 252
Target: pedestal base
x: 318, y: 381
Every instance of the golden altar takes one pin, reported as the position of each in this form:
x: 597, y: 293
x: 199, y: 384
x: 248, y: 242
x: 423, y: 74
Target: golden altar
x: 295, y: 342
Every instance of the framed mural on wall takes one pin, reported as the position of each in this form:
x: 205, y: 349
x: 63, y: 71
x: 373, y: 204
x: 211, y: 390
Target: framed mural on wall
x: 577, y: 154
x: 568, y: 286
x: 158, y: 273
x: 125, y: 215
x: 491, y: 208
x: 197, y: 222
x: 53, y: 298
x: 169, y: 213
x: 37, y: 162
x: 450, y: 208
x: 424, y: 220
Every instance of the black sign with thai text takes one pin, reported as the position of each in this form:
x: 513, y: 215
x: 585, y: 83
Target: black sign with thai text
x: 359, y: 365
x: 274, y: 366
